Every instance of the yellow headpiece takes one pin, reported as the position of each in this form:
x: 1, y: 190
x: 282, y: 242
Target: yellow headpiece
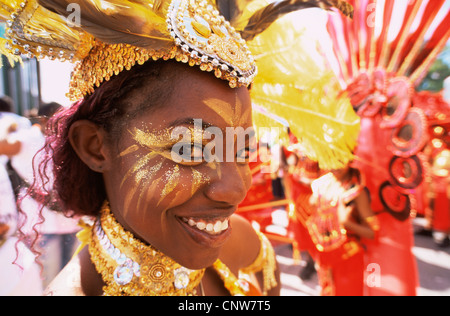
x: 107, y: 36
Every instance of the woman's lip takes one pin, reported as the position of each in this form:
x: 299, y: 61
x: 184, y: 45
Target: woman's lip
x: 204, y: 238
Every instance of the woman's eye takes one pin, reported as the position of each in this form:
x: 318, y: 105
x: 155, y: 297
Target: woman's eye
x: 243, y: 154
x: 187, y: 153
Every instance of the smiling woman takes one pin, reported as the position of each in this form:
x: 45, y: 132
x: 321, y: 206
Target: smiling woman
x: 160, y: 225
x: 119, y: 144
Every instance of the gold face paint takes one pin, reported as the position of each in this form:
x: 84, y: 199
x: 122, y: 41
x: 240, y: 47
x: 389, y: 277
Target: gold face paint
x: 145, y: 185
x: 213, y: 165
x: 172, y: 180
x: 129, y: 150
x: 142, y: 175
x: 137, y: 168
x: 198, y: 179
x: 154, y: 141
x: 247, y: 115
x: 222, y: 108
x: 149, y: 178
x: 142, y: 178
x: 237, y: 111
x: 225, y: 110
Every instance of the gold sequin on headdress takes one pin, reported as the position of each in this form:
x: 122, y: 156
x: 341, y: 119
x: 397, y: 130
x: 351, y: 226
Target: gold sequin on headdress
x: 34, y: 31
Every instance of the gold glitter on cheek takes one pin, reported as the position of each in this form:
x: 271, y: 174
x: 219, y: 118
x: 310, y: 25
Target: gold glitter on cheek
x: 214, y: 165
x: 150, y: 191
x: 198, y: 179
x: 138, y: 167
x: 175, y: 200
x: 142, y: 174
x: 172, y: 180
x: 149, y: 176
x: 129, y: 150
x: 128, y: 198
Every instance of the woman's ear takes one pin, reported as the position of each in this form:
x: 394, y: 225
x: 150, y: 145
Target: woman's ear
x: 88, y: 141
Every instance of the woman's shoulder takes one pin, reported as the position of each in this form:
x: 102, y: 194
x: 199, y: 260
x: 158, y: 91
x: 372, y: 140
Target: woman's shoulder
x: 243, y: 247
x: 78, y: 278
x: 68, y: 281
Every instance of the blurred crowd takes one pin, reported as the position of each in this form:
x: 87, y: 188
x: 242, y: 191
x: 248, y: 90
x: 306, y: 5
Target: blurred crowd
x: 28, y: 231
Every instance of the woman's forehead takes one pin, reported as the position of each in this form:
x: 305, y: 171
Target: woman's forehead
x: 191, y: 94
x: 230, y: 109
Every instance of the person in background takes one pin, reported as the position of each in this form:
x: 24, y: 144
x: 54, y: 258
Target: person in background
x: 342, y: 218
x: 57, y: 240
x: 19, y: 275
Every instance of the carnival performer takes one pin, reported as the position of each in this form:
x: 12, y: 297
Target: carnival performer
x: 301, y: 172
x: 435, y: 197
x: 57, y: 240
x: 380, y: 67
x: 343, y: 217
x: 162, y: 211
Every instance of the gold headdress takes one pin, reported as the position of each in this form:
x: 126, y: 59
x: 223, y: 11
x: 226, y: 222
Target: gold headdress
x: 104, y: 37
x: 107, y: 36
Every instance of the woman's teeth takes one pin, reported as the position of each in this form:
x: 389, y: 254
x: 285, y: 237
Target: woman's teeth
x: 212, y: 228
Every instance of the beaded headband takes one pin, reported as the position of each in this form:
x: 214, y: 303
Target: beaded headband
x: 109, y: 36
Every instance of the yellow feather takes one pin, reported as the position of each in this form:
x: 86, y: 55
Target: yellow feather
x: 292, y: 85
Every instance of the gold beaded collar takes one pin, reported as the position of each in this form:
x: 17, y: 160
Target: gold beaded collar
x: 131, y: 268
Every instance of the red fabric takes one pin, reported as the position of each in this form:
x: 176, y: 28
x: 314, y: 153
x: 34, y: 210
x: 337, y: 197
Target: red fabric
x: 392, y: 256
x: 441, y: 214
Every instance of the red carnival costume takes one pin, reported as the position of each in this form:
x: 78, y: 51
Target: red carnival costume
x: 436, y: 204
x: 380, y: 75
x: 339, y: 253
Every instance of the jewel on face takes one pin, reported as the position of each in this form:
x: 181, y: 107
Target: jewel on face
x: 212, y: 227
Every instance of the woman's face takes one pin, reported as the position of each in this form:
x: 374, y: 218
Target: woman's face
x: 182, y: 206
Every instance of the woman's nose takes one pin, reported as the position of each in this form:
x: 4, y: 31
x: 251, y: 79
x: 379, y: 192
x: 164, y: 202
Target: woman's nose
x: 230, y: 183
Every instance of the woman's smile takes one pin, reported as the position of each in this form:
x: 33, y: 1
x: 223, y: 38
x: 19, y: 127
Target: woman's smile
x: 208, y: 231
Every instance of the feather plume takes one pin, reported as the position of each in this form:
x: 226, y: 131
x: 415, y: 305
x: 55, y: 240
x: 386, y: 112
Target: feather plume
x: 264, y: 17
x: 114, y: 21
x: 238, y: 12
x: 305, y: 95
x: 410, y: 54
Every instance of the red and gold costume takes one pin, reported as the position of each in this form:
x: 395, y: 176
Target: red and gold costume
x: 339, y: 253
x: 380, y: 69
x: 435, y: 205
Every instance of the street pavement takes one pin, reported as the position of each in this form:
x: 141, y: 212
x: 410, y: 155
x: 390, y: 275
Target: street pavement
x: 433, y: 265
